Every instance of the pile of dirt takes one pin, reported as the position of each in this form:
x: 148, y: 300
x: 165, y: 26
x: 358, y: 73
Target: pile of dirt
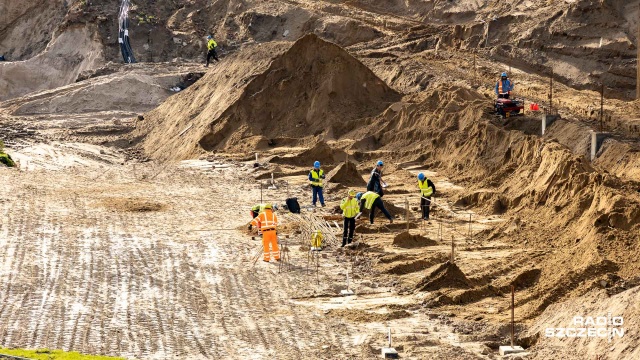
x: 407, y: 240
x: 310, y: 88
x: 346, y: 174
x: 132, y: 205
x: 75, y: 50
x: 321, y: 151
x: 445, y: 276
x: 368, y: 316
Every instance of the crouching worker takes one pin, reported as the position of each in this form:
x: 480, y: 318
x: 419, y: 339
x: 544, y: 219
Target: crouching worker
x: 371, y: 201
x: 349, y: 206
x: 267, y: 223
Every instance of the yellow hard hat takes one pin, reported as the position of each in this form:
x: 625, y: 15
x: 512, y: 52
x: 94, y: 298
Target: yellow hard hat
x: 268, y: 206
x: 352, y: 192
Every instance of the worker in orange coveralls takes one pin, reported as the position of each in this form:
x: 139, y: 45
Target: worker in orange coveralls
x: 267, y: 223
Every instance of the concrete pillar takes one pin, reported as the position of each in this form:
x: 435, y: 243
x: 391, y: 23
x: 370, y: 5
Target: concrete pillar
x: 597, y: 138
x: 547, y: 120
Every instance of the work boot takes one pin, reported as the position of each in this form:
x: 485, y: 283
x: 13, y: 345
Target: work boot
x: 390, y: 221
x: 322, y: 205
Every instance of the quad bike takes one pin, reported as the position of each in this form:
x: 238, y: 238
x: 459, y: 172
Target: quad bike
x: 509, y: 107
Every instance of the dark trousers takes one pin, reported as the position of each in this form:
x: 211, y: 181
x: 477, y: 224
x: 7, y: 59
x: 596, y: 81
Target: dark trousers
x: 349, y: 227
x: 380, y: 205
x: 503, y: 96
x: 317, y: 193
x: 212, y: 54
x: 425, y: 205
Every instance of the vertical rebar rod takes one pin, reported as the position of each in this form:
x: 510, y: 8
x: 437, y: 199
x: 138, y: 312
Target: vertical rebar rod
x: 602, y: 108
x: 513, y: 294
x: 551, y: 93
x: 452, y: 250
x: 406, y: 206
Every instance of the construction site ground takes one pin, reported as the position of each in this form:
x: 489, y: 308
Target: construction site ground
x: 124, y: 227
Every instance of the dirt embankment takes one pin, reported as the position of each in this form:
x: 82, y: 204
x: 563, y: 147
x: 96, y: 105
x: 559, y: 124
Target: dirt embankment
x: 311, y: 88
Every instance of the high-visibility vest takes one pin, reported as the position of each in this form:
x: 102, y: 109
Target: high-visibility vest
x: 316, y: 239
x: 212, y: 44
x: 266, y: 220
x: 349, y: 207
x: 369, y: 198
x: 316, y: 175
x: 425, y: 189
x: 500, y: 84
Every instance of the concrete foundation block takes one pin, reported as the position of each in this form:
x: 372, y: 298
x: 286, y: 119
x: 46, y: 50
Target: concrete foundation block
x: 547, y: 120
x: 597, y: 138
x: 389, y: 353
x: 506, y: 350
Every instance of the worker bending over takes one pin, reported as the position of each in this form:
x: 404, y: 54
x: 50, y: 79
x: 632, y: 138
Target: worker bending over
x: 316, y: 176
x: 504, y: 87
x: 211, y: 49
x: 349, y: 206
x: 427, y: 189
x: 375, y: 181
x: 371, y: 201
x: 258, y: 208
x: 267, y: 223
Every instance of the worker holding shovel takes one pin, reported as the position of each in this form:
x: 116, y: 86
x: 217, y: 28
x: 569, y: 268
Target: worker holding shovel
x: 267, y: 223
x: 370, y: 201
x: 427, y: 189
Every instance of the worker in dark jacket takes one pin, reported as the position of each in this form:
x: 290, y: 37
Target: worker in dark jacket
x: 375, y: 183
x: 211, y: 49
x: 427, y: 189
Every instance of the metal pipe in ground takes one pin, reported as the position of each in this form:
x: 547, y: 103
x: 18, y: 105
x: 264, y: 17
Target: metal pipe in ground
x: 513, y: 294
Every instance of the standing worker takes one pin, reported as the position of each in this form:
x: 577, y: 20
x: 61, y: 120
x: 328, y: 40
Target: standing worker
x: 349, y: 206
x: 316, y: 176
x: 267, y: 223
x: 370, y: 201
x: 211, y: 50
x: 427, y: 189
x: 375, y: 183
x: 504, y: 87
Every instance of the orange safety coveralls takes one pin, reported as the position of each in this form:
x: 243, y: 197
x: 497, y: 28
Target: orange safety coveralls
x: 267, y: 222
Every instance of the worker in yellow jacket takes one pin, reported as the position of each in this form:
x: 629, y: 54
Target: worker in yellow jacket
x: 349, y: 206
x: 267, y: 223
x: 211, y: 49
x: 370, y: 201
x: 427, y: 189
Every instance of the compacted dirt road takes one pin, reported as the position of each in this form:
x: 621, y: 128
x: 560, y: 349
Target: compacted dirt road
x: 94, y: 260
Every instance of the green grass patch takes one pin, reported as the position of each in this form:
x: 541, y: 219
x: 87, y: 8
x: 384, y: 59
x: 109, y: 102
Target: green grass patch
x: 46, y: 354
x: 5, y: 158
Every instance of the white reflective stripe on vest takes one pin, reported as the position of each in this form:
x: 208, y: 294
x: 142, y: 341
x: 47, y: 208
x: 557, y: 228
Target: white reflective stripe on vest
x: 268, y: 220
x: 425, y: 189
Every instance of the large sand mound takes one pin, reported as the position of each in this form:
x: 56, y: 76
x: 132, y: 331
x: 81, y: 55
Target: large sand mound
x: 276, y: 90
x: 77, y: 49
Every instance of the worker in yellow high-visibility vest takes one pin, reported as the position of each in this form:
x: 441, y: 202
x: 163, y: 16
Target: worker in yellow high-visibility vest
x: 211, y: 49
x: 316, y: 179
x: 427, y: 189
x: 370, y: 201
x: 349, y: 206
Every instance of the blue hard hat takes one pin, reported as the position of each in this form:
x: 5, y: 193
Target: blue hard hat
x: 421, y: 177
x: 316, y: 164
x: 380, y: 163
x: 209, y: 37
x: 358, y: 196
x: 504, y: 74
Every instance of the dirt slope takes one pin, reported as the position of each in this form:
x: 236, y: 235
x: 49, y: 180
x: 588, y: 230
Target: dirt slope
x: 321, y: 90
x: 77, y: 49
